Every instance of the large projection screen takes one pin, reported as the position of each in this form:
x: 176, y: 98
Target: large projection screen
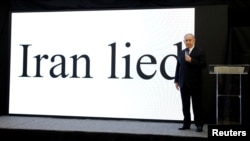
x: 97, y: 63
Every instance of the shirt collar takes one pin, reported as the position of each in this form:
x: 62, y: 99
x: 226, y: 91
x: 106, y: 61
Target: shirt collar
x: 190, y: 49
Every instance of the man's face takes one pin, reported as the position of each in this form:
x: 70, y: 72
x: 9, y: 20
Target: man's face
x: 189, y: 41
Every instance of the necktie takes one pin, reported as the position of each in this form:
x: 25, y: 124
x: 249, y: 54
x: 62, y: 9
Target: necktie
x: 187, y: 51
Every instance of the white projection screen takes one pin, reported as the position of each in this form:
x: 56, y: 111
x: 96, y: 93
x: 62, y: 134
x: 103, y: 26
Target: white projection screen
x: 97, y: 63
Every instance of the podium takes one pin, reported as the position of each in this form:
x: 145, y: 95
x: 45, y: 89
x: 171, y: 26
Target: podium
x: 241, y: 69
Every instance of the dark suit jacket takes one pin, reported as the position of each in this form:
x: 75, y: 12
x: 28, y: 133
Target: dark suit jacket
x: 190, y: 74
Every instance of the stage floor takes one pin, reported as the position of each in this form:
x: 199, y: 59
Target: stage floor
x: 99, y: 126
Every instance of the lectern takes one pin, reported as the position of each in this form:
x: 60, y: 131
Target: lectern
x: 240, y: 69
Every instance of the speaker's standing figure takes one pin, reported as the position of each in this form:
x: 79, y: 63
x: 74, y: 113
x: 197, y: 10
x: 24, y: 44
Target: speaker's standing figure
x: 188, y: 79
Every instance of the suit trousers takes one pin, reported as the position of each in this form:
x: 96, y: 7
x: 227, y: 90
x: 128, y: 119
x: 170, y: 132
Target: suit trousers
x: 194, y: 95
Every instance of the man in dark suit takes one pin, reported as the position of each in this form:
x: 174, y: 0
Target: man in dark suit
x: 188, y: 78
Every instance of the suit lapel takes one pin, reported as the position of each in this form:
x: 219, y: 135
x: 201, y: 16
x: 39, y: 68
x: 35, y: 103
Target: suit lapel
x: 193, y: 51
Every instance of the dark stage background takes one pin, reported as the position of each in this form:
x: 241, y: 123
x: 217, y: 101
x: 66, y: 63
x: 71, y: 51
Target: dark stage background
x: 229, y: 46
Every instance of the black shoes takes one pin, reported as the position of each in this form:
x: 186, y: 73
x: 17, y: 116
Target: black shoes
x: 199, y: 129
x: 184, y: 128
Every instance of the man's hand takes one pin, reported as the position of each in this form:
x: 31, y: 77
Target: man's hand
x: 177, y: 86
x: 188, y: 58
